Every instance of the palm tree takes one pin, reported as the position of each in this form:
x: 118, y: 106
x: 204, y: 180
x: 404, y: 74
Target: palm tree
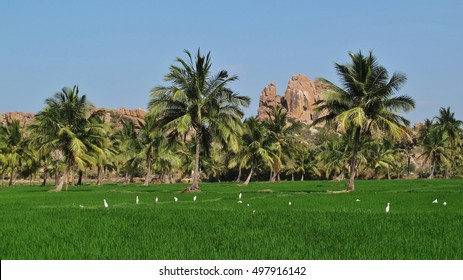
x: 198, y: 103
x: 67, y: 129
x: 128, y: 147
x: 365, y: 104
x: 14, y: 148
x: 435, y: 148
x: 257, y: 147
x: 333, y: 157
x: 155, y: 148
x: 283, y: 137
x: 449, y: 125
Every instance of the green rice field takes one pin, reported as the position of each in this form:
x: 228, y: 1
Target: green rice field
x: 38, y: 224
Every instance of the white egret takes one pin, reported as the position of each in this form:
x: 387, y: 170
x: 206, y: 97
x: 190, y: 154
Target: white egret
x: 248, y: 204
x: 253, y: 211
x: 156, y: 200
x: 239, y: 196
x: 175, y: 199
x: 434, y: 201
x: 445, y: 203
x: 358, y: 200
x: 105, y: 203
x: 388, y: 207
x: 194, y: 198
x: 137, y: 200
x: 239, y: 201
x: 81, y: 206
x: 289, y: 203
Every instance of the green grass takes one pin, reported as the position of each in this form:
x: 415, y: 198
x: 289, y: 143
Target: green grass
x: 37, y: 224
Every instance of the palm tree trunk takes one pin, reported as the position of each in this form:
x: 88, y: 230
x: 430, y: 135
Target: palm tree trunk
x: 45, y: 177
x: 57, y: 178
x: 238, y: 179
x: 148, y: 172
x: 302, y: 177
x: 195, y: 184
x: 433, y: 168
x: 292, y: 177
x: 249, y: 177
x: 98, y: 175
x: 79, y: 180
x: 353, y: 163
x: 126, y: 180
x: 10, y: 182
x: 62, y: 180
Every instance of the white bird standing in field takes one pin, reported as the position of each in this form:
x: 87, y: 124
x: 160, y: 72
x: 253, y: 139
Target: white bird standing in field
x: 156, y: 200
x: 194, y: 198
x: 388, y: 207
x: 175, y: 199
x: 239, y: 196
x: 105, y: 203
x: 81, y: 206
x: 289, y: 203
x: 435, y: 201
x: 137, y: 200
x: 445, y: 203
x: 239, y: 201
x: 358, y: 200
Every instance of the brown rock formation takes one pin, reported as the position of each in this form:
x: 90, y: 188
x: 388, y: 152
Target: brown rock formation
x: 23, y: 118
x: 298, y: 100
x: 110, y: 116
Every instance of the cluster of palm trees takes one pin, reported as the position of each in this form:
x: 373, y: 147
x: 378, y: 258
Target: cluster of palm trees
x: 195, y: 128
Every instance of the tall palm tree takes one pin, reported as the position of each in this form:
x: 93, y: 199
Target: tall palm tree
x: 198, y: 103
x: 67, y: 128
x: 365, y: 104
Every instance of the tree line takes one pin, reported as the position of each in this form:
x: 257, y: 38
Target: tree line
x: 195, y: 128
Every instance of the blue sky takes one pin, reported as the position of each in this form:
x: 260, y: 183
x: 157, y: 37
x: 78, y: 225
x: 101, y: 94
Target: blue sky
x: 116, y: 51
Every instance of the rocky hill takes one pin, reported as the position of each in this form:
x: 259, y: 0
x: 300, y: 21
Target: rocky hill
x: 111, y: 116
x: 298, y: 99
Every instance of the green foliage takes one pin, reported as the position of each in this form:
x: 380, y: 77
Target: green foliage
x: 36, y: 224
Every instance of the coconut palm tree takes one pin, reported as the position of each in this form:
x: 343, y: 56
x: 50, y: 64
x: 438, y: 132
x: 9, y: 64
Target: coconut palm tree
x: 14, y: 148
x: 365, y: 103
x: 67, y: 129
x: 283, y: 137
x: 449, y: 125
x: 435, y: 148
x: 257, y: 149
x: 128, y: 146
x: 155, y: 148
x: 334, y: 156
x: 198, y: 103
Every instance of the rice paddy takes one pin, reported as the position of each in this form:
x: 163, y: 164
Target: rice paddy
x: 320, y: 225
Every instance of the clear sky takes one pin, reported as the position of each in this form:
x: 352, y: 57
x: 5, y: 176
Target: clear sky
x: 116, y: 51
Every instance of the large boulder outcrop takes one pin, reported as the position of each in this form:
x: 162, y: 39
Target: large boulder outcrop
x: 298, y: 100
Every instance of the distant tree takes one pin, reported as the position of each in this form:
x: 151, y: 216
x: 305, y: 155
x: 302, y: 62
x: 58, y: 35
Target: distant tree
x: 435, y: 148
x: 283, y: 136
x: 365, y: 103
x: 14, y: 148
x: 198, y: 103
